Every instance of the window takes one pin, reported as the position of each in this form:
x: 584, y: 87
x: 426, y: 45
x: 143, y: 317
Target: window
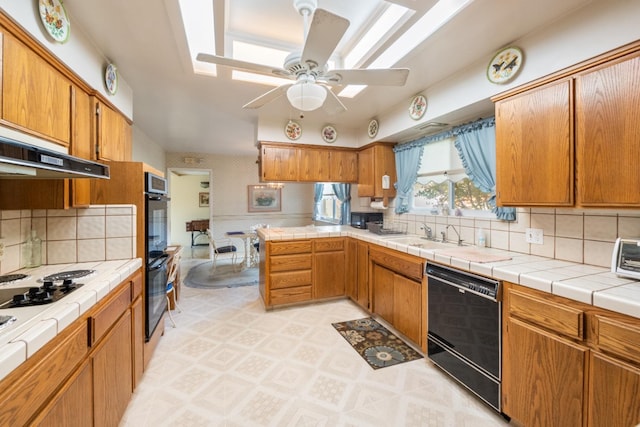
x: 329, y: 208
x: 443, y: 185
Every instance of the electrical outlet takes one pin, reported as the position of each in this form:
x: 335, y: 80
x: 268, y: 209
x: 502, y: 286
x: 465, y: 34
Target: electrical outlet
x: 534, y: 235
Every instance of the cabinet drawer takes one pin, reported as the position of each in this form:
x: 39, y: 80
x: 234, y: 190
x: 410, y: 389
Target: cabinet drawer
x: 559, y: 318
x: 329, y: 245
x: 290, y: 295
x: 290, y: 247
x: 290, y: 279
x: 618, y: 337
x: 109, y: 313
x: 290, y: 262
x: 136, y: 286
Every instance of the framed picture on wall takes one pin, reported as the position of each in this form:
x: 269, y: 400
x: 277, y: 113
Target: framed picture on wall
x: 203, y: 201
x: 264, y: 199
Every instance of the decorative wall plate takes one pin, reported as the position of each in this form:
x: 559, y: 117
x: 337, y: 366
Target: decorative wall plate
x: 418, y: 107
x: 111, y: 79
x: 372, y: 130
x: 329, y: 134
x: 505, y: 65
x: 55, y: 19
x: 292, y: 130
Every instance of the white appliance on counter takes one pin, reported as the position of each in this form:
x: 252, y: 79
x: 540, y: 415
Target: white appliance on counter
x: 625, y: 260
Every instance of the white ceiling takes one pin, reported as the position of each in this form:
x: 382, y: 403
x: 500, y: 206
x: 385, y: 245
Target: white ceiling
x: 184, y: 112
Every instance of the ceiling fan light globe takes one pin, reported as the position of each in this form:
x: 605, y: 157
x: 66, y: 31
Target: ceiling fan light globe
x: 306, y: 96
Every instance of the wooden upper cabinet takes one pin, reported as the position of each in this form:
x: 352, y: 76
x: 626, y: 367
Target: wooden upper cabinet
x: 343, y: 166
x: 534, y: 147
x: 307, y: 163
x: 608, y: 134
x: 373, y: 162
x: 113, y: 134
x: 278, y: 163
x: 313, y: 164
x: 36, y: 98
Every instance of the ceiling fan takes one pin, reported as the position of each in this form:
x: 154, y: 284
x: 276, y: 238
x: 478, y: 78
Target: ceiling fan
x: 312, y: 78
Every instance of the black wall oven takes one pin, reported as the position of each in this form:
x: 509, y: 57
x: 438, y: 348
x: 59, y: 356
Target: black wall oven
x: 156, y: 206
x: 464, y: 329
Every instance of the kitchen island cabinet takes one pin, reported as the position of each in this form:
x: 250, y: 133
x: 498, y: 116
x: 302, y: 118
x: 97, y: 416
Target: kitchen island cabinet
x: 329, y: 271
x: 568, y: 363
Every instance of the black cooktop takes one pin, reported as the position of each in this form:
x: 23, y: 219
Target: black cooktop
x: 29, y: 296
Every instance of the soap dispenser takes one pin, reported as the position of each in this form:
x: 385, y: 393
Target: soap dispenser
x: 33, y: 250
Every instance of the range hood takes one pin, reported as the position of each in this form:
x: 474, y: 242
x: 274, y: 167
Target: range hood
x: 19, y: 160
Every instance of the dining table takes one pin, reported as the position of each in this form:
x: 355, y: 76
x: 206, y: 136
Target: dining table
x: 250, y: 253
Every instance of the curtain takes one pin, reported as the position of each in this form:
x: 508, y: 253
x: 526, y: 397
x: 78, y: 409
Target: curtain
x: 407, y: 164
x: 476, y: 145
x: 317, y: 196
x: 343, y: 193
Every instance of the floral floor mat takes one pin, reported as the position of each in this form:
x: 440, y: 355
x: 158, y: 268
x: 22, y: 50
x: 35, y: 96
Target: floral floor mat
x: 375, y: 343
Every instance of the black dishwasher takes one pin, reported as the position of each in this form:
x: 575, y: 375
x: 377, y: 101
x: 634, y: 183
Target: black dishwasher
x: 464, y: 329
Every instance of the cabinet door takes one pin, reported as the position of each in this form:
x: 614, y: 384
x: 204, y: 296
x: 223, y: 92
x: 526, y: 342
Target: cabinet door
x: 113, y: 136
x: 329, y: 274
x: 72, y: 406
x: 35, y: 97
x: 382, y: 282
x: 112, y: 386
x: 614, y: 387
x: 313, y: 165
x: 534, y: 147
x: 407, y: 308
x: 279, y: 164
x: 137, y: 336
x: 82, y: 144
x: 366, y: 173
x: 362, y: 284
x: 543, y: 382
x: 343, y: 166
x: 351, y: 289
x: 607, y: 134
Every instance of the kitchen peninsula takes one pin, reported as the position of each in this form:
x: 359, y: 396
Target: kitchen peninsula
x: 581, y: 322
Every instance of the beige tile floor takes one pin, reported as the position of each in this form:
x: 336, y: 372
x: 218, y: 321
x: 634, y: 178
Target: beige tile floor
x: 231, y: 363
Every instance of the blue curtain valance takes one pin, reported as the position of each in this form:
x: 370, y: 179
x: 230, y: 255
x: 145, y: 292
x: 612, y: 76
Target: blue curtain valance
x: 451, y: 133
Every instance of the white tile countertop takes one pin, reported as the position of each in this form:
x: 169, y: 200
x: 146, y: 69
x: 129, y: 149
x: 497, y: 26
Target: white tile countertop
x: 37, y: 325
x: 581, y: 282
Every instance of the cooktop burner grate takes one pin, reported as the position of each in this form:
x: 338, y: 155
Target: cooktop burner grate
x: 8, y: 278
x: 63, y: 275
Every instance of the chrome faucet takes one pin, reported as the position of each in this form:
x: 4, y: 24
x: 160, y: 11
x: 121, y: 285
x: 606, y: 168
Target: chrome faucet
x: 457, y: 234
x: 427, y: 231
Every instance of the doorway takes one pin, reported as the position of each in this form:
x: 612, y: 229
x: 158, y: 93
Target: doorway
x: 190, y: 194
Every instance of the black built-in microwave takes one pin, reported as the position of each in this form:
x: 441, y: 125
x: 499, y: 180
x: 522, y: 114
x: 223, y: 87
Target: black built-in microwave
x: 360, y: 219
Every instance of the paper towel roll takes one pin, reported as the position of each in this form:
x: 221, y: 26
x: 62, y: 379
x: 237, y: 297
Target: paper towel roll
x: 378, y: 205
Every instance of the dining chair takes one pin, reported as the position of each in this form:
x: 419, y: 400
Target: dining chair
x: 171, y: 287
x: 222, y: 249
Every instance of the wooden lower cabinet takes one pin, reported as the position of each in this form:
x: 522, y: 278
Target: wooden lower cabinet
x: 545, y: 385
x: 566, y: 363
x: 329, y: 256
x: 84, y: 376
x: 73, y: 405
x: 363, y: 297
x: 112, y: 374
x: 382, y: 284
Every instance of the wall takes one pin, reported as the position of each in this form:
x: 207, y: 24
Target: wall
x: 98, y: 233
x: 146, y: 151
x: 582, y: 236
x: 593, y: 30
x: 230, y: 176
x: 184, y: 206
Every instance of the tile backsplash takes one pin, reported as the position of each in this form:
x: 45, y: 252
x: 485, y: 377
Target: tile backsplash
x: 96, y: 233
x: 577, y: 235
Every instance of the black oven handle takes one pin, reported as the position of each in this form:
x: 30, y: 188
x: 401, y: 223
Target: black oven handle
x: 462, y: 289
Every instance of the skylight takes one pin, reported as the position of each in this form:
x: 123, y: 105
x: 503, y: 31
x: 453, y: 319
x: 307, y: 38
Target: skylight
x: 430, y: 22
x: 197, y: 16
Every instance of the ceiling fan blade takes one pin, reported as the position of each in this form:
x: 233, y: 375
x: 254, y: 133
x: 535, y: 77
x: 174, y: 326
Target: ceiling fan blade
x: 372, y: 77
x: 243, y: 65
x: 268, y: 97
x: 324, y: 34
x: 333, y: 105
